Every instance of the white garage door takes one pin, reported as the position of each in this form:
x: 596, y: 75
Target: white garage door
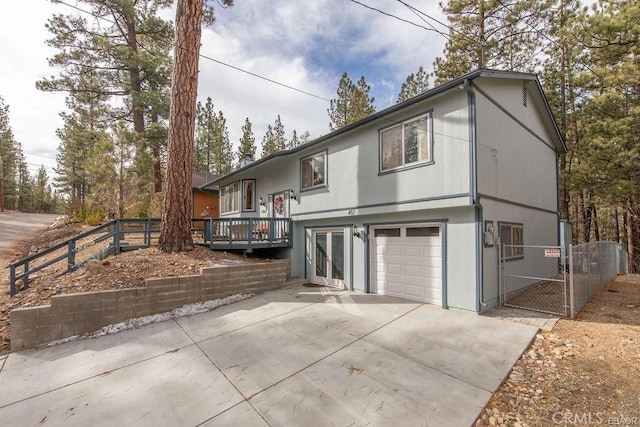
x: 407, y: 262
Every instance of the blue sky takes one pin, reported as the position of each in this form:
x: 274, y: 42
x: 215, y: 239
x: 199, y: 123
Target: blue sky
x: 306, y: 45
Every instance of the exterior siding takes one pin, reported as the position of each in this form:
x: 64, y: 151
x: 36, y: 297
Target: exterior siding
x: 508, y: 93
x: 517, y: 175
x: 516, y: 181
x: 459, y: 265
x: 512, y: 163
x: 539, y: 229
x: 353, y: 179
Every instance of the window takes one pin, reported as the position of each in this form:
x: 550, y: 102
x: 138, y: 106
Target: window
x: 511, y: 235
x: 405, y: 144
x: 248, y: 194
x: 313, y: 171
x: 230, y: 195
x: 423, y: 231
x: 386, y: 232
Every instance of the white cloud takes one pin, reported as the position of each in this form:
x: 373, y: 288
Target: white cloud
x: 306, y: 45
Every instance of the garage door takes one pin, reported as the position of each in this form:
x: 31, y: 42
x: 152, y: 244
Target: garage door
x: 406, y: 262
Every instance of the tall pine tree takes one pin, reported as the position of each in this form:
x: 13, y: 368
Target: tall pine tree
x: 247, y: 147
x: 352, y: 103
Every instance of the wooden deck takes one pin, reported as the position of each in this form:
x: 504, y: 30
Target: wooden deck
x: 244, y: 233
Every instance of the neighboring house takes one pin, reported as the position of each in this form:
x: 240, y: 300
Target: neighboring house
x: 409, y: 201
x: 205, y: 195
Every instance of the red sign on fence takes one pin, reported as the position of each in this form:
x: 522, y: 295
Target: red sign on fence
x: 552, y: 253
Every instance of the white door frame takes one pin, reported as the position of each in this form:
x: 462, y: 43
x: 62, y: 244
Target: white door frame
x: 328, y: 280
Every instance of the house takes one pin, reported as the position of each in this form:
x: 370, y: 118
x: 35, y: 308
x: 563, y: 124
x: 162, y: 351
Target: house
x: 411, y: 201
x: 205, y: 200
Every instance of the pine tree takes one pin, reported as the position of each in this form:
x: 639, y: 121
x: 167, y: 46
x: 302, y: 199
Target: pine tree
x: 491, y: 34
x: 352, y: 103
x: 414, y: 85
x: 205, y: 137
x: 247, y: 145
x: 175, y: 228
x: 9, y: 155
x: 126, y: 51
x: 223, y: 151
x: 269, y: 142
x: 279, y: 134
x: 294, y: 141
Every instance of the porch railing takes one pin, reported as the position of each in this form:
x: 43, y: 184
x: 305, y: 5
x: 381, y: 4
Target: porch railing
x: 239, y: 233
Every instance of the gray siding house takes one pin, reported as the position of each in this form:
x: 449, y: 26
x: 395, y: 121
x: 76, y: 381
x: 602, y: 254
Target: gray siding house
x: 411, y: 201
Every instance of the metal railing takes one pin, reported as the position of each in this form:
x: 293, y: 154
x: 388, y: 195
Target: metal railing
x: 132, y: 233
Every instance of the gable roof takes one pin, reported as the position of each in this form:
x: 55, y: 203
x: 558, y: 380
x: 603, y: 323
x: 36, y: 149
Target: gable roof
x: 451, y: 84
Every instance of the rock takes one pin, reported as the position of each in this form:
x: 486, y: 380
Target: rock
x: 492, y: 421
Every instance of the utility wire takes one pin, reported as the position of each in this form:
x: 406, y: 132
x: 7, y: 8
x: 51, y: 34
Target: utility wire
x: 39, y: 155
x: 449, y: 27
x: 395, y: 17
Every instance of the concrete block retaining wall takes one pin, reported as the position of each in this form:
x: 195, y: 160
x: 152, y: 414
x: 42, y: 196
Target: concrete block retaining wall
x: 76, y: 314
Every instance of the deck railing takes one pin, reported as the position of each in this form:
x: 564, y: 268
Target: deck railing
x: 129, y: 234
x: 250, y: 232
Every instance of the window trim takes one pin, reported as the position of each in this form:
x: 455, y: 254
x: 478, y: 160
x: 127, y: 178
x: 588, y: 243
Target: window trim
x: 325, y: 153
x: 512, y: 226
x: 405, y: 166
x: 223, y: 194
x: 253, y: 196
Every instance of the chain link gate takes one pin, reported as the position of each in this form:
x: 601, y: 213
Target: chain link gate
x: 535, y: 278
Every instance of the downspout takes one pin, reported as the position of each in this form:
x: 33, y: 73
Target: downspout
x: 475, y: 199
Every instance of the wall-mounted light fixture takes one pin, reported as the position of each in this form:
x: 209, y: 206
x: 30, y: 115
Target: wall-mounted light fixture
x: 292, y: 194
x: 356, y: 232
x: 261, y: 201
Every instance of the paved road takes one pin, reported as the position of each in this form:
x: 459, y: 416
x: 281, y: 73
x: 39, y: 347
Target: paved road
x: 299, y: 356
x: 17, y: 226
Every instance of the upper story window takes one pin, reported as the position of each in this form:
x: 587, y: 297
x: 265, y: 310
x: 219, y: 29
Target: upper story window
x: 406, y: 144
x: 313, y: 171
x: 230, y: 198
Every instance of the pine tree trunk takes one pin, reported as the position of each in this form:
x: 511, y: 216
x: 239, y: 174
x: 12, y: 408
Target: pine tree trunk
x: 594, y: 217
x: 157, y: 170
x: 630, y: 249
x: 615, y: 223
x: 175, y: 229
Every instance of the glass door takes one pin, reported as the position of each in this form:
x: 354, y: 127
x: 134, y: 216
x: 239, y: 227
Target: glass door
x: 328, y: 258
x: 279, y: 204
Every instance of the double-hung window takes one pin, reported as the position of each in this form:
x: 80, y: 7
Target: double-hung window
x: 313, y: 171
x: 512, y: 239
x: 406, y: 144
x: 230, y: 198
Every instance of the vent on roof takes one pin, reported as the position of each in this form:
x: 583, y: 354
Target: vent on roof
x: 524, y: 96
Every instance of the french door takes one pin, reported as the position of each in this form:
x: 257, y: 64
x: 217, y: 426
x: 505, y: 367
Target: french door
x: 328, y: 257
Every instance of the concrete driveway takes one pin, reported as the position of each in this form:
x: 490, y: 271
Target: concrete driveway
x: 297, y: 356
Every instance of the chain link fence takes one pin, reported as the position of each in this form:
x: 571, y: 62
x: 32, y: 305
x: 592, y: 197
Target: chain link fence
x: 555, y: 279
x: 592, y: 265
x: 534, y: 278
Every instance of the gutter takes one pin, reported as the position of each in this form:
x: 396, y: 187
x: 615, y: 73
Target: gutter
x: 475, y: 199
